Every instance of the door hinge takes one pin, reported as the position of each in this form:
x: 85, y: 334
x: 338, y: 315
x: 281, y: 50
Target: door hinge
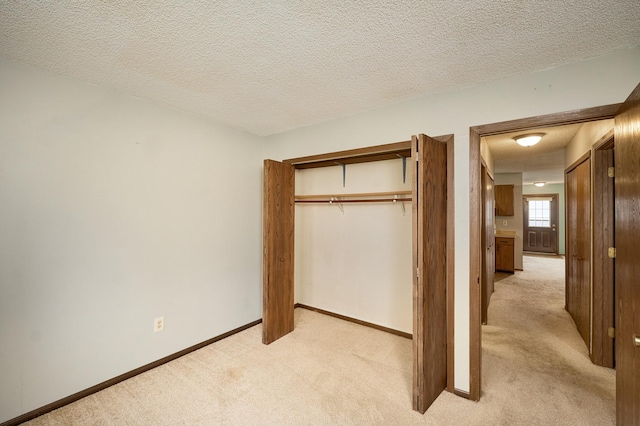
x: 611, y: 252
x: 417, y: 272
x: 611, y: 332
x: 611, y: 172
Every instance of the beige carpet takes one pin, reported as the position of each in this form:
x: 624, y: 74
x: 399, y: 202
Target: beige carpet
x: 535, y: 364
x: 535, y: 372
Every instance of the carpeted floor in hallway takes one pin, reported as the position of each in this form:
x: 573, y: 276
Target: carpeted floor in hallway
x: 534, y: 357
x: 536, y: 371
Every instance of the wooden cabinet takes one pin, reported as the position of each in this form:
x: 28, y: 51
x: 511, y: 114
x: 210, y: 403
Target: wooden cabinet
x: 504, y: 254
x: 504, y: 200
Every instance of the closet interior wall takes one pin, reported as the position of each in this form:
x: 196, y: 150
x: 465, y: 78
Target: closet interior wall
x: 355, y: 259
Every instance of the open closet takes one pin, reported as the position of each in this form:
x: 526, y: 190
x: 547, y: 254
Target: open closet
x: 423, y: 197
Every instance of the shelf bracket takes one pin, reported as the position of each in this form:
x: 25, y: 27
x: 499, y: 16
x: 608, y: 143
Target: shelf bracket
x: 344, y: 173
x: 404, y: 167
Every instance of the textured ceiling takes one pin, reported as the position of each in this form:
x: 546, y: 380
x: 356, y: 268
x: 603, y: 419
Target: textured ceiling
x: 270, y: 66
x: 543, y: 162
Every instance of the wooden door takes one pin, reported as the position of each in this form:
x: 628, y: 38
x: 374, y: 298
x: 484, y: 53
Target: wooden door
x: 430, y: 266
x: 578, y: 241
x: 488, y: 258
x: 603, y: 343
x: 627, y: 268
x: 278, y: 232
x: 540, y: 223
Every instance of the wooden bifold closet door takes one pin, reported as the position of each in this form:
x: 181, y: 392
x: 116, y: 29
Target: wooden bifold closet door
x: 430, y: 264
x: 578, y: 256
x: 277, y: 264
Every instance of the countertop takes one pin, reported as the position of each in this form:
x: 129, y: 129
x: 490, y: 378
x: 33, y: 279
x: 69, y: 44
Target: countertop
x: 505, y: 234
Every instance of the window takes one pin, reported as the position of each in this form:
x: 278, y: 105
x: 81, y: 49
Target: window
x: 539, y: 213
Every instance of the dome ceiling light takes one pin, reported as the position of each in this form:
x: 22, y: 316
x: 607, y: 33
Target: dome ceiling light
x: 529, y: 139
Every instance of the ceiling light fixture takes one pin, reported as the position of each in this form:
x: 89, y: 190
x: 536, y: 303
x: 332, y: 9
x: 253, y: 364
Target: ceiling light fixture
x: 540, y: 184
x: 529, y: 139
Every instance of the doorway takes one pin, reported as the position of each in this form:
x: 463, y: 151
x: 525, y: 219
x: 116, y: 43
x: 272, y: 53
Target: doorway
x: 476, y: 225
x: 540, y: 223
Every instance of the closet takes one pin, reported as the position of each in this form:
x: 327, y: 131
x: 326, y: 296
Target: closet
x: 353, y: 242
x: 432, y: 247
x: 578, y: 250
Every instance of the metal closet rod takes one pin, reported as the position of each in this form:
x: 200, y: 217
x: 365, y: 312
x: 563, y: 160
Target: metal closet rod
x: 363, y: 197
x: 358, y: 194
x: 370, y: 200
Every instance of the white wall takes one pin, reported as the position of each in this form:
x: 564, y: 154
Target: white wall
x: 598, y: 81
x: 515, y: 222
x: 113, y: 211
x: 553, y: 188
x: 357, y: 263
x: 487, y: 155
x: 583, y: 140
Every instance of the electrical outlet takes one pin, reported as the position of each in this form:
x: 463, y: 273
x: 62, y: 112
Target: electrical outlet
x: 158, y: 324
x: 504, y: 223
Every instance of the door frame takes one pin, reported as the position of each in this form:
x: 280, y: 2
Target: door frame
x: 475, y: 213
x: 488, y: 241
x: 556, y: 197
x: 602, y: 267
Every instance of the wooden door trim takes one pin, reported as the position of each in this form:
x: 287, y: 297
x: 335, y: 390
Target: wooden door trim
x: 605, y: 142
x: 475, y: 264
x: 539, y: 195
x: 475, y: 133
x: 484, y: 284
x: 489, y: 171
x: 448, y: 140
x: 548, y: 120
x: 360, y: 155
x: 582, y: 159
x: 602, y: 267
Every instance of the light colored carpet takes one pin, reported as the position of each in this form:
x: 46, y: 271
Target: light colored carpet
x: 535, y: 372
x: 535, y: 364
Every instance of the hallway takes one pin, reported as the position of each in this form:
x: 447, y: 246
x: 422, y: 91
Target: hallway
x: 535, y: 365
